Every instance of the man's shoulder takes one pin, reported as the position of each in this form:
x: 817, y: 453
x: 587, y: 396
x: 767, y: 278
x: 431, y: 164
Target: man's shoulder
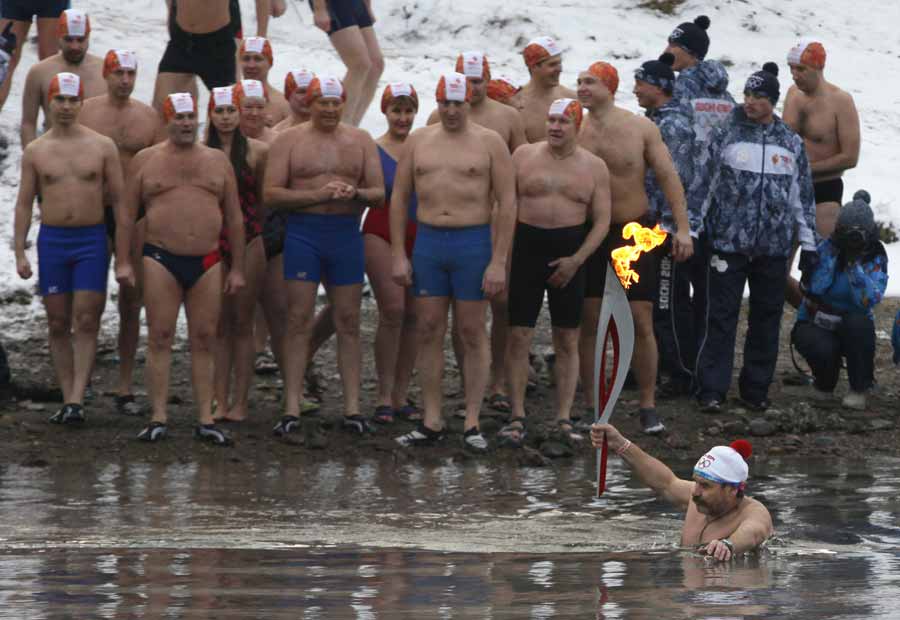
x: 47, y: 67
x: 357, y: 134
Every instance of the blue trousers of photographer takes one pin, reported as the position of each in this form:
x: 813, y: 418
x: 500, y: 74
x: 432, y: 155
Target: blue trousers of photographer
x: 823, y: 349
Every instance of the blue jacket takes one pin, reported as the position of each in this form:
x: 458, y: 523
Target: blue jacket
x: 704, y: 88
x: 675, y: 124
x: 848, y: 289
x: 895, y: 338
x: 760, y: 195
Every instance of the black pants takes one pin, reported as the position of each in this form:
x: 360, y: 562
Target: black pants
x: 679, y: 316
x: 853, y: 340
x: 728, y: 273
x: 4, y: 368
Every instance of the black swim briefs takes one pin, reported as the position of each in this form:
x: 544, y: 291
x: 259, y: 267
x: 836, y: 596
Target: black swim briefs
x: 25, y: 10
x: 831, y: 190
x: 211, y: 56
x: 534, y: 248
x: 347, y: 13
x: 647, y: 267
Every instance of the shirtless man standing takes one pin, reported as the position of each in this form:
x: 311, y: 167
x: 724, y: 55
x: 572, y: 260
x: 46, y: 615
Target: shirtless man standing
x: 295, y: 85
x: 558, y: 183
x: 74, y: 32
x: 459, y: 169
x: 256, y: 61
x: 133, y: 126
x: 719, y: 520
x: 187, y: 189
x: 629, y: 144
x: 507, y: 122
x: 324, y: 173
x: 826, y: 118
x: 71, y: 167
x: 543, y: 57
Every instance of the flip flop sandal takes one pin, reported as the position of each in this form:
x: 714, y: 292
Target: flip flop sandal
x: 384, y: 414
x: 500, y: 402
x: 513, y: 434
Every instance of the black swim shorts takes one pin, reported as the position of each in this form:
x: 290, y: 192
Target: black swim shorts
x: 831, y: 190
x: 647, y: 267
x: 533, y: 250
x: 25, y: 10
x: 211, y: 56
x: 347, y: 13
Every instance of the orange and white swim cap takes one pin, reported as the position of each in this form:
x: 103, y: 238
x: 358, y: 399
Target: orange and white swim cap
x: 257, y: 45
x: 809, y: 52
x: 502, y: 89
x: 222, y: 96
x: 119, y: 59
x: 297, y: 79
x: 73, y: 23
x: 607, y: 74
x: 249, y: 89
x: 178, y: 103
x: 473, y: 65
x: 453, y: 87
x: 540, y: 49
x: 325, y: 87
x: 398, y: 89
x: 569, y: 108
x: 67, y: 85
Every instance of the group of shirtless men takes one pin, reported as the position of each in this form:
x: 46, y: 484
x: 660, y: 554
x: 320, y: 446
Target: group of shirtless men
x: 512, y: 197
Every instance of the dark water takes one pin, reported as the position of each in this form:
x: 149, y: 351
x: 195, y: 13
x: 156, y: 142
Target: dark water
x: 455, y: 540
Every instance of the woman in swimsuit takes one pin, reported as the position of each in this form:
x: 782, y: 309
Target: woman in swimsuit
x: 395, y: 349
x: 235, y: 332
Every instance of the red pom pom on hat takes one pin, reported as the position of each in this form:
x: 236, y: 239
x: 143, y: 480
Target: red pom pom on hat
x: 742, y: 447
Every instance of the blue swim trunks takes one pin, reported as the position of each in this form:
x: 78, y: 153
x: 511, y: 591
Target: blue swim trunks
x: 450, y: 262
x: 72, y: 258
x: 325, y: 248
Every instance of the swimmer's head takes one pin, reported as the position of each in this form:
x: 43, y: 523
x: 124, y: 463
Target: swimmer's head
x: 399, y: 104
x: 325, y: 98
x: 720, y: 477
x: 502, y: 89
x: 120, y: 72
x: 543, y: 57
x: 251, y: 98
x: 807, y: 61
x: 563, y: 122
x: 256, y: 58
x: 180, y: 112
x: 73, y: 31
x: 474, y: 65
x: 761, y: 93
x: 65, y: 94
x: 598, y: 84
x: 295, y: 85
x: 224, y: 112
x: 689, y: 43
x: 654, y: 81
x: 453, y: 94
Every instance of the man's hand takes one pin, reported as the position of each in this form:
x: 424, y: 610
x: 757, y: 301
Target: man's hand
x: 401, y: 271
x: 682, y: 246
x: 346, y: 192
x: 718, y: 549
x: 23, y: 267
x: 322, y: 20
x: 234, y: 282
x: 125, y: 275
x: 494, y: 280
x: 809, y: 261
x: 614, y: 438
x: 566, y: 267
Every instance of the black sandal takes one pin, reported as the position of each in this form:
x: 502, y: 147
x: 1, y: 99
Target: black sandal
x: 513, y: 434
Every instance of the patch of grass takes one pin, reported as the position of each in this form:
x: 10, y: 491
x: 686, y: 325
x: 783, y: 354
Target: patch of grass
x: 668, y: 7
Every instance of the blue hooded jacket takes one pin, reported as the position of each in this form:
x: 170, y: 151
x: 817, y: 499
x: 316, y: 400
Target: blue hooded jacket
x: 760, y: 195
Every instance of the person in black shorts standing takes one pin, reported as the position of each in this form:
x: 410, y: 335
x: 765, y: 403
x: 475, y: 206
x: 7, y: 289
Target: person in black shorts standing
x: 201, y: 43
x: 559, y: 183
x: 20, y: 14
x: 348, y: 24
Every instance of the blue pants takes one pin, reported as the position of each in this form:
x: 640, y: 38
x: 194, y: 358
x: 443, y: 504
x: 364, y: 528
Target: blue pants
x: 679, y: 317
x: 72, y: 258
x: 324, y: 247
x: 728, y: 273
x: 853, y: 340
x: 450, y: 262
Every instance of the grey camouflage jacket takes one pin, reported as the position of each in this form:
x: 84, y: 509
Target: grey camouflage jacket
x: 760, y: 195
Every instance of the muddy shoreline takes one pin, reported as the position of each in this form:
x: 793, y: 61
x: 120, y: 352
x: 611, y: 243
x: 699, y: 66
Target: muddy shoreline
x: 795, y: 425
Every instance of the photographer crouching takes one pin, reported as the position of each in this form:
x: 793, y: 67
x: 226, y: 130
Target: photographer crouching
x: 842, y: 282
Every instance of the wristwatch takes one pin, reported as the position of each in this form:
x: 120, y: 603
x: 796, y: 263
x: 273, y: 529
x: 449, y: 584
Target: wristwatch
x: 728, y: 544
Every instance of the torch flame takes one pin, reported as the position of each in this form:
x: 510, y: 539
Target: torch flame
x: 645, y: 239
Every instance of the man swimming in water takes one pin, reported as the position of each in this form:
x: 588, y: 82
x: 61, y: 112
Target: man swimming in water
x: 719, y: 518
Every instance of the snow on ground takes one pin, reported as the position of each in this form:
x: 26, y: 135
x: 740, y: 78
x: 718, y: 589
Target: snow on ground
x: 421, y: 38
